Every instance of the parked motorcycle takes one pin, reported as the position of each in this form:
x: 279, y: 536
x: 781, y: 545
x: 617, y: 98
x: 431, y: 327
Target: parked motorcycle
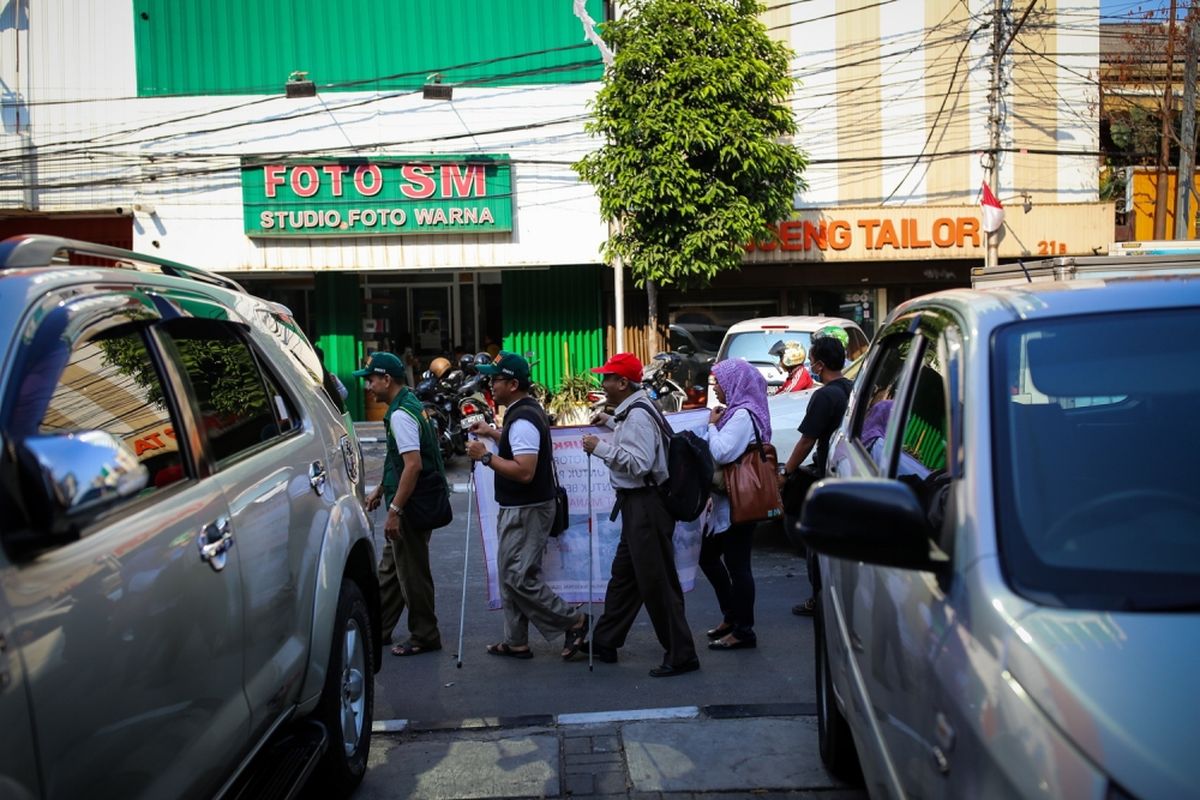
x: 438, y: 410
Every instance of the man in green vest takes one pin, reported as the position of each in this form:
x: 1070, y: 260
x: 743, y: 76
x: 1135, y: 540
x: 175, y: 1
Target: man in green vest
x: 405, y: 579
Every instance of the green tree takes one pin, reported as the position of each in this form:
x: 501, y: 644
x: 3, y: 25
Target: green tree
x: 697, y: 159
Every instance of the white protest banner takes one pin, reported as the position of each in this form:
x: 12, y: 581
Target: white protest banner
x: 565, y: 563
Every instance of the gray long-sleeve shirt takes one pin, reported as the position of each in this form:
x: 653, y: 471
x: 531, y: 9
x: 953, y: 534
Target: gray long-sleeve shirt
x: 636, y: 449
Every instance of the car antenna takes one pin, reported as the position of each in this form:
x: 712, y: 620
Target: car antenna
x: 1028, y: 279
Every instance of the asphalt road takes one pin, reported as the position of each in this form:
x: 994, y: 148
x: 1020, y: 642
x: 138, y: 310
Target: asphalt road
x: 430, y: 688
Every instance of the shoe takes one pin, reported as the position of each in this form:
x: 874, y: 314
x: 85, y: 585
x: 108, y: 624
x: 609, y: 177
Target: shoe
x: 608, y: 655
x: 719, y: 632
x: 503, y: 649
x: 805, y: 609
x: 669, y: 671
x: 737, y: 644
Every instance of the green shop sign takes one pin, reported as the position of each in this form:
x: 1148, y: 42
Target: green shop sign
x: 377, y: 196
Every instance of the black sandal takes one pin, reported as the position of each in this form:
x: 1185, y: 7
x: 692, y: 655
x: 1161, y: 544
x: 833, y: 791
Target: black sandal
x: 577, y: 639
x: 805, y: 609
x: 502, y: 649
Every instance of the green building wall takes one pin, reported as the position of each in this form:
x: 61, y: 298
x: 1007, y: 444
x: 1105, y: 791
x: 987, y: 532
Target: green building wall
x: 557, y: 314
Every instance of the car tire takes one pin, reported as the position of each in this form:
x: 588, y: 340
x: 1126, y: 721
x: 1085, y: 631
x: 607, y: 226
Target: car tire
x: 833, y: 732
x: 346, y: 708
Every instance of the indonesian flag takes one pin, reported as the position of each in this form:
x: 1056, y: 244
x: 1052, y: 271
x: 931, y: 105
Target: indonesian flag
x: 991, y: 210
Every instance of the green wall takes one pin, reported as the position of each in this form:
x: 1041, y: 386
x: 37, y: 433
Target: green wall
x: 543, y: 310
x: 202, y: 47
x: 337, y: 316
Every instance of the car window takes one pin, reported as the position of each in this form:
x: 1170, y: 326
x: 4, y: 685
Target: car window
x: 926, y: 428
x: 858, y: 344
x: 1095, y: 500
x: 110, y: 383
x: 874, y: 409
x: 754, y: 345
x: 241, y: 408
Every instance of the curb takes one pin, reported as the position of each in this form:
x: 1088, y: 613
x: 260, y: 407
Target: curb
x: 715, y: 712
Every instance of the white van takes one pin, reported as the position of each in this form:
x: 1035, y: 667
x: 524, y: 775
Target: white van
x: 752, y: 338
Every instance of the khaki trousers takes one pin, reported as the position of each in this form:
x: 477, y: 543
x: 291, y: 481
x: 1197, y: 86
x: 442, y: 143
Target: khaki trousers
x: 523, y: 533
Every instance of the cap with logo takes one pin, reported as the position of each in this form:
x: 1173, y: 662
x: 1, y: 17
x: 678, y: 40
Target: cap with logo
x: 625, y: 365
x: 509, y: 365
x: 382, y: 364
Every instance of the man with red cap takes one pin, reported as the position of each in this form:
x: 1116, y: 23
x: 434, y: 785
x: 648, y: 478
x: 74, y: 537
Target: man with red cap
x: 643, y: 568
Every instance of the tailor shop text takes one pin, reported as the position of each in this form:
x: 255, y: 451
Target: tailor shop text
x: 905, y: 233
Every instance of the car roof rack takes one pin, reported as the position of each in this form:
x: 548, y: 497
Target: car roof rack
x: 37, y: 250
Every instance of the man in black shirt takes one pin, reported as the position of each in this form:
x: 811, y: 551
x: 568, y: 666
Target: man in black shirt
x: 825, y: 411
x: 524, y: 467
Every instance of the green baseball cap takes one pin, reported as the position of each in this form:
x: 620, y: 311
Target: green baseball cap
x: 509, y: 365
x: 382, y: 363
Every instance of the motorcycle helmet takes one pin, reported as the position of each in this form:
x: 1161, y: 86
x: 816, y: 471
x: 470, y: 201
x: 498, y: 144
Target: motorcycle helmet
x: 426, y: 387
x: 482, y: 358
x: 466, y: 363
x: 836, y: 332
x: 439, y: 366
x: 793, y: 354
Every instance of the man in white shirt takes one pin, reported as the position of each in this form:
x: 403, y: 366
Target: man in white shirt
x: 525, y: 491
x: 405, y: 578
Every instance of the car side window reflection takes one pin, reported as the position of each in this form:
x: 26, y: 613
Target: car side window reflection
x: 926, y: 428
x: 239, y: 408
x: 110, y: 384
x: 875, y: 406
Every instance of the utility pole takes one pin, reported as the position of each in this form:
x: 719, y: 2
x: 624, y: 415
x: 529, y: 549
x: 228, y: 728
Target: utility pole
x: 992, y: 168
x: 1187, y: 132
x: 1164, y: 143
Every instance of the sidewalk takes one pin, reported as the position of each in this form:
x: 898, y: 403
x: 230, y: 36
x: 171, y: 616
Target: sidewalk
x: 715, y: 751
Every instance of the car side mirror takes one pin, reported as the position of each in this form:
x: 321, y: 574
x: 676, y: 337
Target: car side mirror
x: 684, y: 350
x: 78, y: 473
x: 873, y: 520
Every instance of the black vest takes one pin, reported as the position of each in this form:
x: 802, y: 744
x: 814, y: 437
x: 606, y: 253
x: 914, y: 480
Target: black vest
x: 541, y: 488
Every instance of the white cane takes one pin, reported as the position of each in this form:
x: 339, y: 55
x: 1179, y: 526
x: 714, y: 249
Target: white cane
x: 462, y: 611
x: 591, y: 616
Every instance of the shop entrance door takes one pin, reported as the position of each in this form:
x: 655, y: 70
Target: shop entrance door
x: 432, y: 326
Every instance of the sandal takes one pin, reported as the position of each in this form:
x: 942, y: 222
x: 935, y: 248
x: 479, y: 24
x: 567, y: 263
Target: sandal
x: 502, y: 649
x: 411, y: 648
x: 577, y: 639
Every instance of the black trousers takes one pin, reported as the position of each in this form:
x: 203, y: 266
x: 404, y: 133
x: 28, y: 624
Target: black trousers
x: 643, y: 573
x: 725, y: 561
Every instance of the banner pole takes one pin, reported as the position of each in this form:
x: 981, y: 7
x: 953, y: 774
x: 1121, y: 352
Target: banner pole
x: 462, y: 610
x: 591, y: 615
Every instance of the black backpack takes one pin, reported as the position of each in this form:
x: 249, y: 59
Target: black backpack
x: 689, y: 468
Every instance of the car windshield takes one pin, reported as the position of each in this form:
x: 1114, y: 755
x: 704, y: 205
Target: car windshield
x: 754, y: 345
x: 1093, y: 454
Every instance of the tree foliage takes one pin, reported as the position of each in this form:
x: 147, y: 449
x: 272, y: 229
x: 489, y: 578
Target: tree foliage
x: 697, y: 160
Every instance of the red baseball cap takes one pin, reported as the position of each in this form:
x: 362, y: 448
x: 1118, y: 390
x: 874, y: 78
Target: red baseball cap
x: 625, y: 365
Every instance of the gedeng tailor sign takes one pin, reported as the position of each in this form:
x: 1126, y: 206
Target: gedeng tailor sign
x: 378, y: 196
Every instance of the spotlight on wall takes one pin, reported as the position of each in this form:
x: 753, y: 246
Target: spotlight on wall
x: 298, y: 85
x: 434, y: 89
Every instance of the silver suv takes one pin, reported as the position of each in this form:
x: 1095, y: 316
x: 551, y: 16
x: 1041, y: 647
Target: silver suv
x: 188, y: 602
x: 1008, y: 584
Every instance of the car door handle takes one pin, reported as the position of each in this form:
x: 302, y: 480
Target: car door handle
x: 214, y: 542
x: 316, y: 476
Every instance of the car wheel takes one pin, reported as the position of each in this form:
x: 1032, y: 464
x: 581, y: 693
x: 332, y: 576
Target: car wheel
x: 833, y: 732
x: 346, y: 708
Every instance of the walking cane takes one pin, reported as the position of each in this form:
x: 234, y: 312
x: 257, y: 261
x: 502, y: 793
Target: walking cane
x: 591, y: 616
x: 462, y: 611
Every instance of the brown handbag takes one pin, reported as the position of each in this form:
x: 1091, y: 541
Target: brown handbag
x: 751, y: 483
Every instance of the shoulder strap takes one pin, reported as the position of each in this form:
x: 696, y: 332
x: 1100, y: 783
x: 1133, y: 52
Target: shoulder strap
x: 663, y: 427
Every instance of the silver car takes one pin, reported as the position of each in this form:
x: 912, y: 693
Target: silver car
x: 188, y: 601
x: 1008, y: 583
